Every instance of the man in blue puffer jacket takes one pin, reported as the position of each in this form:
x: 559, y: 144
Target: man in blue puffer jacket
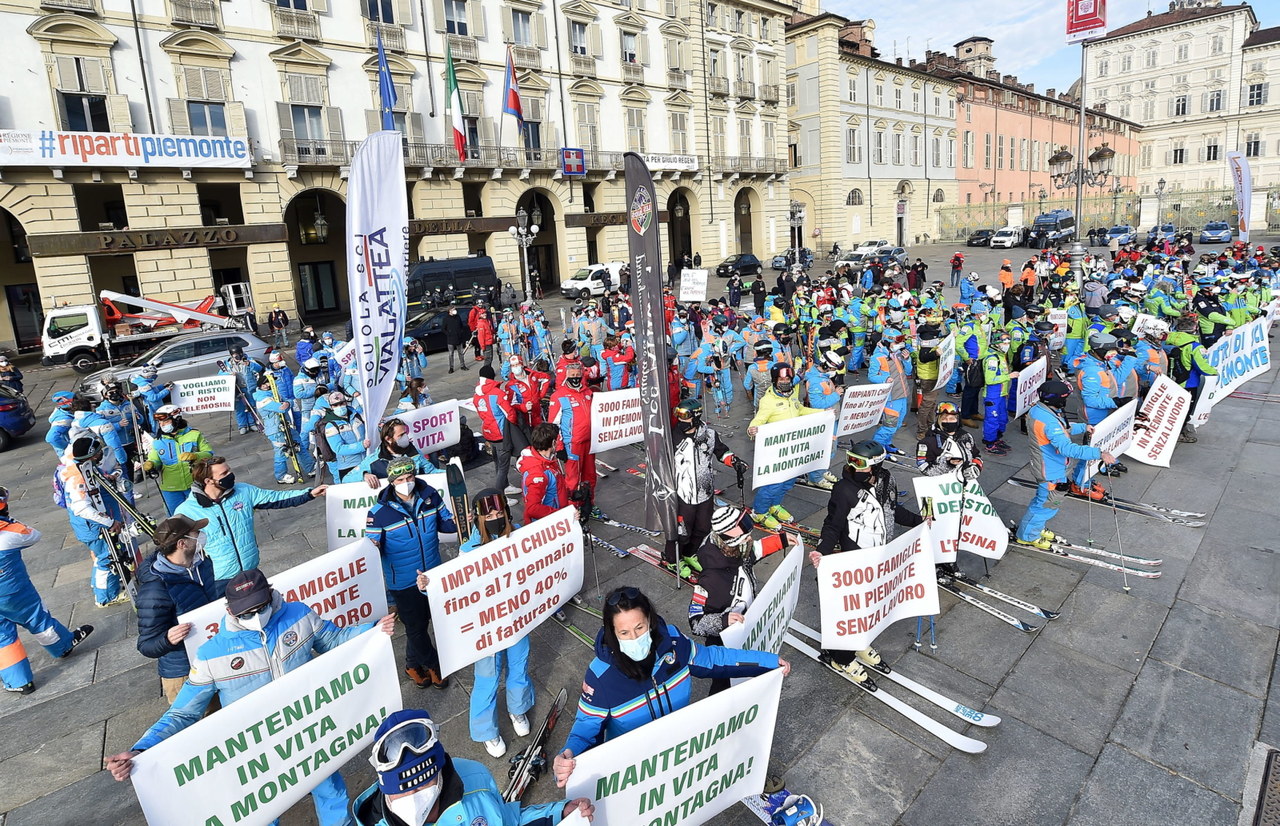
x: 258, y: 640
x: 176, y: 579
x: 229, y: 506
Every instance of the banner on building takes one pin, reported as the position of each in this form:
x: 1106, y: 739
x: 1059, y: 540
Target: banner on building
x: 343, y: 586
x: 346, y: 507
x: 617, y: 419
x: 862, y: 405
x: 1240, y: 355
x: 488, y: 599
x: 253, y: 760
x: 963, y: 517
x: 946, y: 361
x: 1086, y: 19
x: 377, y: 262
x: 211, y: 395
x: 62, y: 149
x: 650, y: 344
x: 1242, y: 182
x: 1113, y: 434
x: 861, y: 594
x: 1166, y: 408
x: 687, y: 766
x: 786, y: 449
x: 433, y: 427
x: 1058, y: 318
x: 766, y: 619
x: 1028, y: 389
x: 693, y: 286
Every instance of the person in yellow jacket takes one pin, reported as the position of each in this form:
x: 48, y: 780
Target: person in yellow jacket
x: 779, y: 403
x: 172, y: 452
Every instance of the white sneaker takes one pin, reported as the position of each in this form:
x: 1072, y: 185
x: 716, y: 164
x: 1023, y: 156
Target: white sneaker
x: 244, y: 430
x: 512, y: 490
x: 496, y: 747
x: 520, y: 722
x: 287, y: 479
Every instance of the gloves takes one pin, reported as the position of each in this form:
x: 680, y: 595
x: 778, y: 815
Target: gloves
x: 149, y: 466
x: 1121, y: 401
x: 562, y: 455
x: 187, y: 457
x: 971, y: 472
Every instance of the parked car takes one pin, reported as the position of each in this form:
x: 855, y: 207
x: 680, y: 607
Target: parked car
x: 980, y: 238
x: 191, y: 356
x: 1008, y: 237
x: 16, y: 417
x: 1216, y: 232
x: 744, y: 264
x: 590, y: 280
x: 779, y: 261
x: 890, y: 255
x: 1122, y: 234
x: 428, y: 329
x: 1165, y: 231
x: 872, y: 246
x: 857, y: 260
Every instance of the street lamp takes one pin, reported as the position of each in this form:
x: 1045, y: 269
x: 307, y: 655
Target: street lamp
x: 1043, y: 195
x: 523, y: 234
x: 1159, y: 193
x: 319, y: 224
x: 796, y: 219
x: 1116, y: 189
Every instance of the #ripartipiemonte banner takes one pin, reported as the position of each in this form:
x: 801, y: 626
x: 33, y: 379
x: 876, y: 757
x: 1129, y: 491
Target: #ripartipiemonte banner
x: 650, y: 343
x: 254, y: 759
x: 377, y: 260
x: 687, y: 766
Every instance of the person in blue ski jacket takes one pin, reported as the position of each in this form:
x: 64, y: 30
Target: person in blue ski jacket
x: 284, y: 381
x: 246, y: 371
x: 59, y: 435
x: 1052, y: 451
x: 419, y: 783
x: 683, y: 339
x: 10, y: 375
x: 20, y: 604
x: 85, y: 421
x: 406, y: 524
x: 342, y: 428
x: 413, y: 361
x: 891, y: 364
x: 307, y: 345
x: 1099, y: 391
x: 151, y: 392
x: 257, y: 641
x: 969, y: 289
x: 823, y: 395
x: 94, y: 515
x: 116, y: 408
x: 329, y: 346
x: 277, y: 426
x: 229, y: 506
x: 641, y: 672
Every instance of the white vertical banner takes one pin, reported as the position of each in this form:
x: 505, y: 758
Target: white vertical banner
x: 1113, y: 434
x: 1242, y: 182
x: 1166, y: 408
x: 1029, y: 381
x: 946, y: 360
x: 377, y: 260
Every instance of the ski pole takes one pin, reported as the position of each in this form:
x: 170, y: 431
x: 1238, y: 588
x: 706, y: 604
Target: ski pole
x: 1124, y: 572
x: 919, y: 625
x: 933, y: 638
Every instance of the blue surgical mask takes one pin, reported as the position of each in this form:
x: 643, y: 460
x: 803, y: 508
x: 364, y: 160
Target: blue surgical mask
x: 636, y: 649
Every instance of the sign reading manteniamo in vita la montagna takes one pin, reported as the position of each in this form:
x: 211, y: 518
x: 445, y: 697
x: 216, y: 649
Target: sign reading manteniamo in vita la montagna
x: 88, y: 243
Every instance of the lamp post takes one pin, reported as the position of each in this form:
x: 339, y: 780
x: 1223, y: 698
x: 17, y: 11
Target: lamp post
x: 796, y: 220
x: 1159, y: 193
x: 1066, y: 171
x: 1116, y: 189
x: 523, y: 234
x: 319, y: 224
x: 1042, y: 195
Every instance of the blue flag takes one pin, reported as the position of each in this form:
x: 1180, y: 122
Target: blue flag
x: 386, y: 89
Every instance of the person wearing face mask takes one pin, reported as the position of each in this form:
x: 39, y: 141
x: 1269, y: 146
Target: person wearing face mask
x: 862, y: 513
x: 698, y: 449
x: 20, y: 604
x: 246, y: 371
x: 456, y: 335
x: 997, y: 376
x: 525, y: 392
x: 393, y: 444
x: 617, y: 359
x: 570, y: 410
x: 256, y: 642
x: 175, y: 448
x: 123, y: 415
x: 542, y: 481
x: 493, y: 403
x: 151, y: 393
x: 641, y: 672
x: 407, y: 523
x: 891, y: 364
x: 229, y: 506
x: 926, y: 365
x: 1188, y: 365
x: 947, y: 446
x: 416, y: 394
x: 276, y: 415
x: 307, y: 345
x: 419, y: 784
x: 177, y: 578
x: 343, y: 430
x: 781, y: 402
x: 308, y: 386
x: 481, y: 324
x: 1207, y: 305
x: 569, y: 354
x: 94, y: 517
x: 59, y: 435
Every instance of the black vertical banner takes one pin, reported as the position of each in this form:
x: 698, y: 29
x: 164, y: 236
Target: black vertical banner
x: 651, y: 347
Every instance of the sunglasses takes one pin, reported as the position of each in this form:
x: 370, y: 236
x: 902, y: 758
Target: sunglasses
x: 253, y: 612
x: 628, y: 593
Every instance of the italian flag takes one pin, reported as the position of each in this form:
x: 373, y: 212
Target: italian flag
x: 453, y: 105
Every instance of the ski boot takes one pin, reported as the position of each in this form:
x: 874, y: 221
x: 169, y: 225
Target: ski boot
x: 871, y: 658
x: 596, y: 513
x: 781, y: 514
x: 853, y: 670
x: 78, y: 636
x: 1095, y: 492
x: 766, y: 521
x: 831, y: 477
x: 894, y: 451
x: 822, y: 484
x: 1188, y: 435
x: 692, y: 562
x: 1043, y: 542
x: 680, y: 569
x: 947, y: 573
x: 1109, y: 470
x: 1121, y: 466
x: 995, y: 449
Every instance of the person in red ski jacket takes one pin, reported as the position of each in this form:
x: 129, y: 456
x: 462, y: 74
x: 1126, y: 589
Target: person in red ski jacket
x: 569, y: 354
x: 570, y: 410
x: 526, y: 397
x: 616, y: 361
x: 541, y: 475
x: 502, y: 430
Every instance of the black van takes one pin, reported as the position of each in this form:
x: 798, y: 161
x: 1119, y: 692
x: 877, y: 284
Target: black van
x: 461, y: 275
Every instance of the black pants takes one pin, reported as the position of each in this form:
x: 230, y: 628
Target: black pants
x: 415, y: 612
x: 514, y: 440
x: 696, y: 520
x: 969, y: 402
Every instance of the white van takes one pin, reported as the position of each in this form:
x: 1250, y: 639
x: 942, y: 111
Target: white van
x: 590, y: 280
x: 1007, y: 237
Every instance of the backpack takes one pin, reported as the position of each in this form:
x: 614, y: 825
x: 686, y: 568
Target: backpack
x: 974, y: 373
x: 1178, y: 371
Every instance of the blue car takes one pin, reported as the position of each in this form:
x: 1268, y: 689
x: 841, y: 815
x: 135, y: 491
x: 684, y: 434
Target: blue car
x: 1216, y: 232
x: 1164, y: 232
x: 16, y: 417
x: 1122, y: 234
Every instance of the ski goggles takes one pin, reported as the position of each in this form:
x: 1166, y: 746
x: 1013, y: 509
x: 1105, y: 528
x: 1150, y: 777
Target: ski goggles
x: 493, y: 503
x: 416, y: 736
x: 947, y: 409
x: 629, y: 593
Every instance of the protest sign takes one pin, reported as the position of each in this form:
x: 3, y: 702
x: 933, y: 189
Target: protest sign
x: 1165, y: 408
x: 253, y: 760
x: 575, y: 818
x: 687, y: 766
x: 693, y: 286
x: 860, y: 594
x: 862, y: 406
x: 211, y: 395
x: 1240, y: 355
x: 1143, y: 323
x: 486, y: 600
x: 766, y: 620
x: 946, y: 361
x: 616, y: 419
x: 786, y: 449
x: 1029, y: 381
x: 1113, y: 434
x: 433, y: 427
x: 1058, y: 318
x: 977, y: 529
x: 346, y: 354
x: 346, y: 507
x: 343, y: 586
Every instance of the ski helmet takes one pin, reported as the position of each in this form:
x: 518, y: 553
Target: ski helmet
x: 929, y: 335
x: 1043, y: 329
x: 689, y: 414
x: 1102, y: 342
x: 1126, y: 313
x: 782, y: 332
x: 832, y: 359
x: 85, y: 447
x: 782, y: 377
x: 1156, y: 330
x: 1108, y: 310
x: 865, y: 455
x: 311, y: 364
x: 1055, y: 393
x: 764, y: 349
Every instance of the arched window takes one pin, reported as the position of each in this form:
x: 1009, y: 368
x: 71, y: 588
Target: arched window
x: 938, y: 196
x: 854, y: 198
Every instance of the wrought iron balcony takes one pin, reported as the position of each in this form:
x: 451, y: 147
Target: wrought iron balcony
x: 718, y: 85
x: 744, y: 89
x: 392, y: 35
x: 69, y: 5
x: 303, y: 152
x: 202, y: 13
x: 769, y: 92
x: 302, y: 25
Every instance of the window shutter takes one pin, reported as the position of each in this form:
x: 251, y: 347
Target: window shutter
x: 476, y: 12
x: 404, y: 13
x: 644, y: 49
x: 417, y: 131
x: 534, y: 109
x: 540, y: 30
x: 486, y: 131
x: 95, y: 79
x: 333, y: 123
x: 372, y: 121
x: 473, y: 104
x: 284, y: 114
x: 193, y: 80
x: 594, y: 41
x: 118, y: 113
x: 178, y: 120
x: 508, y: 27
x: 1170, y: 107
x: 404, y: 97
x: 437, y: 15
x: 318, y: 5
x: 237, y: 124
x: 65, y: 69
x: 1200, y: 154
x: 215, y: 85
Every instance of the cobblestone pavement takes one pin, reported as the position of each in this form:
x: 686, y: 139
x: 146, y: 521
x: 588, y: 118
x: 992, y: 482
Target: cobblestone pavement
x: 1134, y: 708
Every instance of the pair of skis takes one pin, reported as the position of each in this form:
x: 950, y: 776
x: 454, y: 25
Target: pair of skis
x: 1139, y: 566
x: 1188, y: 519
x: 291, y: 446
x: 943, y: 732
x: 581, y: 636
x: 954, y: 584
x: 529, y: 764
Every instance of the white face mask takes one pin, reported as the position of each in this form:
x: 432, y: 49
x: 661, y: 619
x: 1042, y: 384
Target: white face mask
x: 259, y: 620
x: 404, y: 488
x: 415, y: 808
x: 403, y: 441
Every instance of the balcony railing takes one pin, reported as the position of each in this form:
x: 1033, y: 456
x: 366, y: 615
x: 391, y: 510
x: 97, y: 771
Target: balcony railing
x: 632, y: 73
x: 463, y: 47
x: 303, y: 152
x: 527, y: 57
x: 748, y: 164
x: 582, y: 66
x: 68, y: 5
x: 718, y: 85
x: 769, y: 92
x: 677, y: 79
x: 597, y: 161
x: 744, y: 89
x: 303, y: 25
x: 195, y: 13
x: 392, y: 35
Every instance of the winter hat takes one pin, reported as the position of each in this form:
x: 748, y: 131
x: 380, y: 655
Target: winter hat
x: 486, y: 372
x: 399, y: 467
x: 406, y: 751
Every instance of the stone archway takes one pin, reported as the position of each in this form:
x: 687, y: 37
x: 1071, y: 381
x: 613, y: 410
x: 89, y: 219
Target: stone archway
x: 316, y: 219
x: 746, y: 218
x: 544, y: 253
x: 681, y: 205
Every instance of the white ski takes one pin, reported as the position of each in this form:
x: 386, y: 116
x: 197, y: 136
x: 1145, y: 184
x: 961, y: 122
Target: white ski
x: 969, y: 715
x: 948, y: 735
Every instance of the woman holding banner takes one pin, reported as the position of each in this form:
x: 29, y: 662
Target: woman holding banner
x: 641, y: 672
